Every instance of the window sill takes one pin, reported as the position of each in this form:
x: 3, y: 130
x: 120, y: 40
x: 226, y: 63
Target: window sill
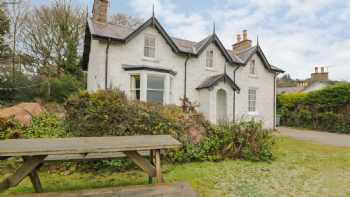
x: 148, y: 59
x: 253, y: 76
x: 210, y: 69
x: 253, y: 113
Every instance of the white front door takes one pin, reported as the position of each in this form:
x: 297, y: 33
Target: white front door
x: 221, y: 106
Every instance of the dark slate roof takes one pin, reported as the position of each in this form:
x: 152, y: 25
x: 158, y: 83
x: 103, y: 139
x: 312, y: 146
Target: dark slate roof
x: 178, y: 45
x: 121, y: 33
x: 248, y: 53
x: 150, y: 68
x: 214, y: 80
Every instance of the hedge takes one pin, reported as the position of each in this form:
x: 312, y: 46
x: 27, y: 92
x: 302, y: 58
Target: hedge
x: 327, y: 109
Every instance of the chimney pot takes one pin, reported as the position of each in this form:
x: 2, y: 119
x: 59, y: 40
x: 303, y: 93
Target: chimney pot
x: 316, y: 69
x: 238, y: 38
x: 245, y: 35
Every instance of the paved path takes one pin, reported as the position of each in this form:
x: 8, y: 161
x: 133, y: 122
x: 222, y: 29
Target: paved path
x: 334, y: 139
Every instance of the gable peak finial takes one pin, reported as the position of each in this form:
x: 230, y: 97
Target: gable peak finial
x: 153, y: 10
x: 257, y: 40
x: 214, y: 28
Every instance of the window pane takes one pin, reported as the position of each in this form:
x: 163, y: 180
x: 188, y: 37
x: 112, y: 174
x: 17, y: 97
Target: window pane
x: 155, y: 96
x: 135, y: 85
x: 251, y: 100
x: 155, y: 82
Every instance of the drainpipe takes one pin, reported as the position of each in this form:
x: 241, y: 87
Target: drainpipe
x: 106, y: 63
x: 274, y: 101
x: 234, y: 95
x: 185, y: 83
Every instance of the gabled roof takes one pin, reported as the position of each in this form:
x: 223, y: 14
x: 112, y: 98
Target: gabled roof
x: 247, y: 54
x: 214, y: 80
x: 125, y: 34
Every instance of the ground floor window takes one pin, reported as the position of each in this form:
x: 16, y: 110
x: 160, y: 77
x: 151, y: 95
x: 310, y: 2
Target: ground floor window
x: 252, y: 100
x: 155, y: 88
x: 135, y: 86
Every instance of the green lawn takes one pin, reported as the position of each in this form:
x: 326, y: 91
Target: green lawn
x: 300, y: 169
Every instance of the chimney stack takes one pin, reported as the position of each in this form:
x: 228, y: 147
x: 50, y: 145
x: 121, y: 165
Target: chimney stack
x: 242, y: 45
x: 99, y: 11
x: 321, y: 76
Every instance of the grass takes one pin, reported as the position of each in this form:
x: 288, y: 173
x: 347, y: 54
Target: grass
x: 300, y: 169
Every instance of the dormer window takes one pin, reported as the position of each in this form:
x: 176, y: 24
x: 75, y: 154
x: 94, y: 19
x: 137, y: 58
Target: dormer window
x: 150, y: 46
x: 252, y: 68
x: 210, y: 58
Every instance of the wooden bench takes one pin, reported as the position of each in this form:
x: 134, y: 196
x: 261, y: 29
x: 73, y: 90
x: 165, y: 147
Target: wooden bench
x: 37, y: 151
x: 161, y: 190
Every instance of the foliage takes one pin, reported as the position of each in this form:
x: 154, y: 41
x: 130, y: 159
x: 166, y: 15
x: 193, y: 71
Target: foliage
x: 29, y: 88
x: 110, y: 113
x: 53, y: 35
x: 45, y: 125
x: 63, y: 87
x: 327, y: 109
x: 244, y: 140
x: 5, y: 28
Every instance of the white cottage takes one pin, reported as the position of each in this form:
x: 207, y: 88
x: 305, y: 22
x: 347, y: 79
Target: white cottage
x: 149, y: 65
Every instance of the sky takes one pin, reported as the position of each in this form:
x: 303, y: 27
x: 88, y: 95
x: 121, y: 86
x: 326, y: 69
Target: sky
x: 296, y: 35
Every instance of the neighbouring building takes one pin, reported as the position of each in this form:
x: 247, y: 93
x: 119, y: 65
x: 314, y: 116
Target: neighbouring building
x: 150, y: 65
x: 319, y: 79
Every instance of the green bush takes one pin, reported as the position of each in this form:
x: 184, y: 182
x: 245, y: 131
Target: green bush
x: 244, y: 140
x: 327, y: 109
x: 63, y: 87
x: 45, y: 125
x: 110, y: 113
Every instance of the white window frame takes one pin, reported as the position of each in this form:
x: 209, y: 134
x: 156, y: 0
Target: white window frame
x: 151, y: 89
x: 252, y: 68
x: 171, y: 89
x: 210, y: 58
x: 149, y: 47
x: 252, y: 100
x: 133, y: 89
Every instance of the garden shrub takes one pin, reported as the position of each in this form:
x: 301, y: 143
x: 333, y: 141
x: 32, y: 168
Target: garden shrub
x: 244, y: 140
x: 45, y: 125
x: 110, y: 113
x: 63, y: 87
x: 327, y: 109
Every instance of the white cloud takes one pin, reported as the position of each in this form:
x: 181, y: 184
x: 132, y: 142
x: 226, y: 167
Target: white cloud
x: 295, y: 34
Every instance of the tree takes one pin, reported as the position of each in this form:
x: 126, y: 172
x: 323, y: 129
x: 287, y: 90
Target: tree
x: 125, y: 20
x: 17, y: 11
x: 54, y: 35
x: 5, y: 27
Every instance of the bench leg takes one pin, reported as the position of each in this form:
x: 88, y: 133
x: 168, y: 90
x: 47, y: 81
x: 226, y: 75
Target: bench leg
x: 159, y: 177
x: 34, y: 178
x: 151, y: 159
x: 29, y: 165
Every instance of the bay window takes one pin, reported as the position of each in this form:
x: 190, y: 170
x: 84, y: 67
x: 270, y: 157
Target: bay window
x: 155, y: 89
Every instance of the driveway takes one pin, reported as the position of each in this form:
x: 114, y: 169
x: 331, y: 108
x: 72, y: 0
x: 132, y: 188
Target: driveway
x: 334, y: 139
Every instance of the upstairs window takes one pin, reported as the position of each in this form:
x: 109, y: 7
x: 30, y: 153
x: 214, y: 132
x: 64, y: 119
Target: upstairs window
x: 252, y: 68
x: 252, y: 100
x: 210, y: 58
x: 135, y: 87
x: 150, y: 47
x: 155, y: 89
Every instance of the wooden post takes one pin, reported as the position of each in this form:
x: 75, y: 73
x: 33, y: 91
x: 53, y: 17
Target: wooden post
x: 158, y: 168
x: 151, y: 159
x: 34, y: 178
